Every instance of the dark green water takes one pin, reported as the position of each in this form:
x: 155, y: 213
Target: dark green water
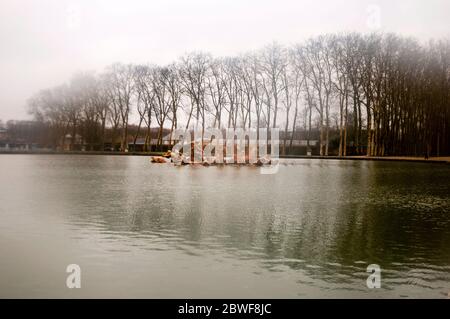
x: 146, y: 230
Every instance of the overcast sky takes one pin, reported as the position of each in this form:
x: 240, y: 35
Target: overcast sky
x: 44, y: 42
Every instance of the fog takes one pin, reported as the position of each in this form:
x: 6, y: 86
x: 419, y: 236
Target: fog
x: 45, y: 42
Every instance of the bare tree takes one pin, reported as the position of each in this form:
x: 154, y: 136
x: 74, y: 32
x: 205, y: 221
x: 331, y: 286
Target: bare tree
x: 145, y: 100
x: 121, y: 83
x: 193, y: 74
x: 172, y: 82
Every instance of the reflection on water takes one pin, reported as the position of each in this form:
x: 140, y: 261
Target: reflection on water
x: 145, y: 230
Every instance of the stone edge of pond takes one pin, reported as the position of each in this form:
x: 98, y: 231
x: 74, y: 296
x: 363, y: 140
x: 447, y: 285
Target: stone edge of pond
x: 80, y: 153
x: 370, y: 158
x: 355, y: 158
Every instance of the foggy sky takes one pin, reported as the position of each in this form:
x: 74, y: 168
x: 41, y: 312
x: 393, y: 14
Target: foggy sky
x: 44, y: 42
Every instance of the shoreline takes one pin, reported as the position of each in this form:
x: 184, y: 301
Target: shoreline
x: 435, y: 160
x: 80, y: 153
x: 413, y: 159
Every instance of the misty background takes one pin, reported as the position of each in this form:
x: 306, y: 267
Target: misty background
x: 45, y: 42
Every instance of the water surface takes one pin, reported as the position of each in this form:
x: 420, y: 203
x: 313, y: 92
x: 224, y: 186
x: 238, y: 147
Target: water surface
x: 157, y: 231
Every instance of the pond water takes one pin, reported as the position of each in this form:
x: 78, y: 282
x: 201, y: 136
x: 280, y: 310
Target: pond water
x: 138, y: 229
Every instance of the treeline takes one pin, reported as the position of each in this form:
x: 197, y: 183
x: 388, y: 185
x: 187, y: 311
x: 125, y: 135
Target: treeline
x: 383, y: 94
x: 38, y: 135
